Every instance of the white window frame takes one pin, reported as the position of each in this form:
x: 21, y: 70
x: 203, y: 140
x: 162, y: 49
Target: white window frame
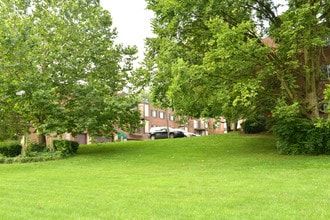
x: 153, y: 113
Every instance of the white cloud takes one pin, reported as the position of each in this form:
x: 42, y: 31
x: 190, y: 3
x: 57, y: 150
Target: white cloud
x: 132, y: 21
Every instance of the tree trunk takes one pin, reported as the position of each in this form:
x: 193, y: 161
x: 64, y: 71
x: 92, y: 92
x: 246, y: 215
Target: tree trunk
x: 42, y: 139
x: 228, y: 126
x: 167, y: 127
x: 312, y: 78
x: 235, y: 126
x: 24, y: 142
x: 312, y: 105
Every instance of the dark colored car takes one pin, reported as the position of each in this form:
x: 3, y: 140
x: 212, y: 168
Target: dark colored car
x: 161, y: 132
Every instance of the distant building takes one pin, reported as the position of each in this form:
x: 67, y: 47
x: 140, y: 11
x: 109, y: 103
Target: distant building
x: 157, y: 117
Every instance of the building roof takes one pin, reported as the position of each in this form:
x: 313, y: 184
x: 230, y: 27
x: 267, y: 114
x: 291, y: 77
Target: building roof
x: 269, y: 42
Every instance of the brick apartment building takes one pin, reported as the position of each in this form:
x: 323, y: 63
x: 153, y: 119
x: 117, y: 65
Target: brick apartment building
x: 156, y: 117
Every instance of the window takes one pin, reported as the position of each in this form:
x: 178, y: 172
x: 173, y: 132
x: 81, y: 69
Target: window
x: 154, y: 113
x: 146, y: 110
x: 172, y: 118
x: 196, y: 124
x: 161, y: 114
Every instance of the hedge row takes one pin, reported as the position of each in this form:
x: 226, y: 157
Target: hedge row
x: 10, y: 148
x: 36, y: 157
x: 10, y: 151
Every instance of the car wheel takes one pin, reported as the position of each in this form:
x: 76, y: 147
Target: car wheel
x: 152, y: 137
x: 171, y: 136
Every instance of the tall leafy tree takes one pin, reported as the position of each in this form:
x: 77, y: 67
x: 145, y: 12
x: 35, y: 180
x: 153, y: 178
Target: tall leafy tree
x: 60, y: 69
x: 238, y: 58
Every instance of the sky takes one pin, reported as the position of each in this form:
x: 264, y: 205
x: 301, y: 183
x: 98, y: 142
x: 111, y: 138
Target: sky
x: 132, y: 21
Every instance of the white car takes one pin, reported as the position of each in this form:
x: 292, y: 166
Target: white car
x: 189, y: 134
x: 186, y: 133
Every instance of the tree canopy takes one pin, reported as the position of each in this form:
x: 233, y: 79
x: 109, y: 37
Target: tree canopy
x: 238, y: 58
x: 60, y: 70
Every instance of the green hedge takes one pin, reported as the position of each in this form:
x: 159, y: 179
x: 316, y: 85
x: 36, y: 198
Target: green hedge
x: 10, y: 152
x: 32, y: 157
x: 302, y: 136
x: 65, y: 146
x: 10, y: 148
x: 34, y: 147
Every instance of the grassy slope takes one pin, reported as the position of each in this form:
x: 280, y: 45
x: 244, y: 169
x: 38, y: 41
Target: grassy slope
x: 214, y: 177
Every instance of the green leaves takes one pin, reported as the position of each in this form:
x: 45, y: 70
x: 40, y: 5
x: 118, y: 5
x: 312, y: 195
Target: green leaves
x: 63, y: 56
x: 237, y: 56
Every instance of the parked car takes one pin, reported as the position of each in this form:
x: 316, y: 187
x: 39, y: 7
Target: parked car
x: 189, y: 134
x: 161, y: 132
x: 186, y: 133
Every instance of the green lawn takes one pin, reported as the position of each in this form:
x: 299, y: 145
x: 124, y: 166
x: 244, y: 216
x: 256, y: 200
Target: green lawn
x: 227, y: 176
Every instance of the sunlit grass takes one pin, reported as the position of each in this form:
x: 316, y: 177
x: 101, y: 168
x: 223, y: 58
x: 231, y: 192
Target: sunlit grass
x: 215, y: 177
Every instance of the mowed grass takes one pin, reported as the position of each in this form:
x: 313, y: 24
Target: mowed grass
x: 228, y: 176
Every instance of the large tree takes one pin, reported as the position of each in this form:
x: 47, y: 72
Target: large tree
x: 60, y: 69
x: 238, y: 58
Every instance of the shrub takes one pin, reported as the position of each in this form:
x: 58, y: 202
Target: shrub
x: 74, y: 146
x: 34, y: 147
x: 10, y: 148
x: 36, y: 153
x: 254, y: 125
x: 297, y: 135
x: 2, y: 158
x: 32, y: 157
x: 66, y: 147
x: 316, y: 140
x: 327, y: 147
